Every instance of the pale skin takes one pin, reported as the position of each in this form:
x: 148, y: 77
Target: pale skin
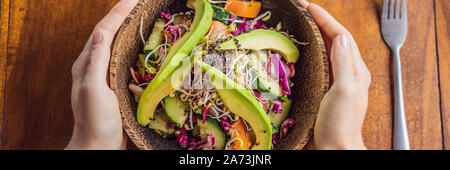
x: 342, y: 111
x: 98, y: 124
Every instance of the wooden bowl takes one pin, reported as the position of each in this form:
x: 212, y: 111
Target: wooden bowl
x: 311, y: 79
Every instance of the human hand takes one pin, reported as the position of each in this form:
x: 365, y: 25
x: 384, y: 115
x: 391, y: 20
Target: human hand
x: 342, y: 111
x: 97, y: 121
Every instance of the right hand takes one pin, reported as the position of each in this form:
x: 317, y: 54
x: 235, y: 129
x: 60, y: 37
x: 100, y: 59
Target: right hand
x: 342, y: 111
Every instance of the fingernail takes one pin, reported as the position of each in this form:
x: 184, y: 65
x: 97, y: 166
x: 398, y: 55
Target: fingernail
x: 343, y: 41
x: 97, y: 37
x: 304, y: 3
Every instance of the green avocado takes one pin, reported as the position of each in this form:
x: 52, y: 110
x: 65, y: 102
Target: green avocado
x: 150, y: 99
x: 161, y: 85
x: 264, y: 39
x: 242, y: 103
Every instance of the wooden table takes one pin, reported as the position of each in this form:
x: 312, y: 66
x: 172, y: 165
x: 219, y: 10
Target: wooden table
x: 41, y: 39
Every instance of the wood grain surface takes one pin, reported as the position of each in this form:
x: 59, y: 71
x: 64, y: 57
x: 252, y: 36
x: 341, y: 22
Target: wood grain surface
x: 4, y: 23
x: 443, y: 40
x: 420, y: 76
x: 44, y: 39
x: 41, y: 39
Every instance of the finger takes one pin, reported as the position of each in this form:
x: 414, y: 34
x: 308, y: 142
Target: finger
x: 112, y: 21
x: 362, y: 72
x: 106, y: 29
x: 342, y: 59
x: 328, y: 25
x: 102, y: 37
x: 304, y: 3
x: 98, y: 59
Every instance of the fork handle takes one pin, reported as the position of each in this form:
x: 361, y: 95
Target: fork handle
x: 400, y: 139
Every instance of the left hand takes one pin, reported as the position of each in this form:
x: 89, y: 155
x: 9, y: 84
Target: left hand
x: 98, y: 124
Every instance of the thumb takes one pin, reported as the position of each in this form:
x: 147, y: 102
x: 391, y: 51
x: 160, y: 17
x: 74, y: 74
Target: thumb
x: 102, y: 38
x: 342, y: 59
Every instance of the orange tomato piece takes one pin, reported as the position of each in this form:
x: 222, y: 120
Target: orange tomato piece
x: 217, y: 27
x: 247, y: 9
x: 240, y: 131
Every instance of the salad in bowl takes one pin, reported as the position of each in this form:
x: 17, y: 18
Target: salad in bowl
x: 216, y: 77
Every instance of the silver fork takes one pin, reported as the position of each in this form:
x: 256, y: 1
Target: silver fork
x: 394, y: 27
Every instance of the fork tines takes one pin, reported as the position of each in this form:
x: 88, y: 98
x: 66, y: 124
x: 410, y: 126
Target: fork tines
x: 389, y: 9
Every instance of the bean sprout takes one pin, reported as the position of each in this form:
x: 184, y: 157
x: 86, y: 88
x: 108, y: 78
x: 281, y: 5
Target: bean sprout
x: 233, y: 140
x: 171, y: 20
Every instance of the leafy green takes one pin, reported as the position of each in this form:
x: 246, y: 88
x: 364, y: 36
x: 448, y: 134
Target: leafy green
x: 221, y: 14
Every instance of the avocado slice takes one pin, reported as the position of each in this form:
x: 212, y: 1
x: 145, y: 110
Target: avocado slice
x: 175, y: 110
x: 161, y: 85
x: 200, y: 26
x: 242, y: 103
x: 260, y: 39
x: 277, y: 119
x: 150, y: 99
x: 211, y: 126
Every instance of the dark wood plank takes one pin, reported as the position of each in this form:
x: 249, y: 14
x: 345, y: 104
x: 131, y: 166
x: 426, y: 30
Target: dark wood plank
x: 443, y: 35
x: 45, y: 38
x: 420, y: 78
x: 4, y: 23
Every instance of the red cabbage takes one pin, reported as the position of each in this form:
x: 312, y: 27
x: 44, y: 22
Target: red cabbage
x: 148, y: 77
x: 269, y: 66
x: 232, y: 17
x: 210, y: 141
x: 182, y: 138
x: 259, y: 25
x: 292, y: 69
x: 135, y: 76
x: 274, y: 65
x: 182, y: 132
x: 259, y: 96
x: 204, y: 114
x: 285, y: 127
x: 192, y: 141
x: 225, y: 124
x: 225, y: 118
x: 166, y: 16
x: 266, y: 106
x: 276, y: 106
x: 284, y: 78
x: 243, y: 28
x: 171, y: 125
x: 174, y: 31
x: 247, y: 26
x: 274, y: 138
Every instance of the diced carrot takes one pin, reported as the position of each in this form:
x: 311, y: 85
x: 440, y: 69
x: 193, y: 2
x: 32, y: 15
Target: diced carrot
x: 240, y: 131
x: 247, y: 9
